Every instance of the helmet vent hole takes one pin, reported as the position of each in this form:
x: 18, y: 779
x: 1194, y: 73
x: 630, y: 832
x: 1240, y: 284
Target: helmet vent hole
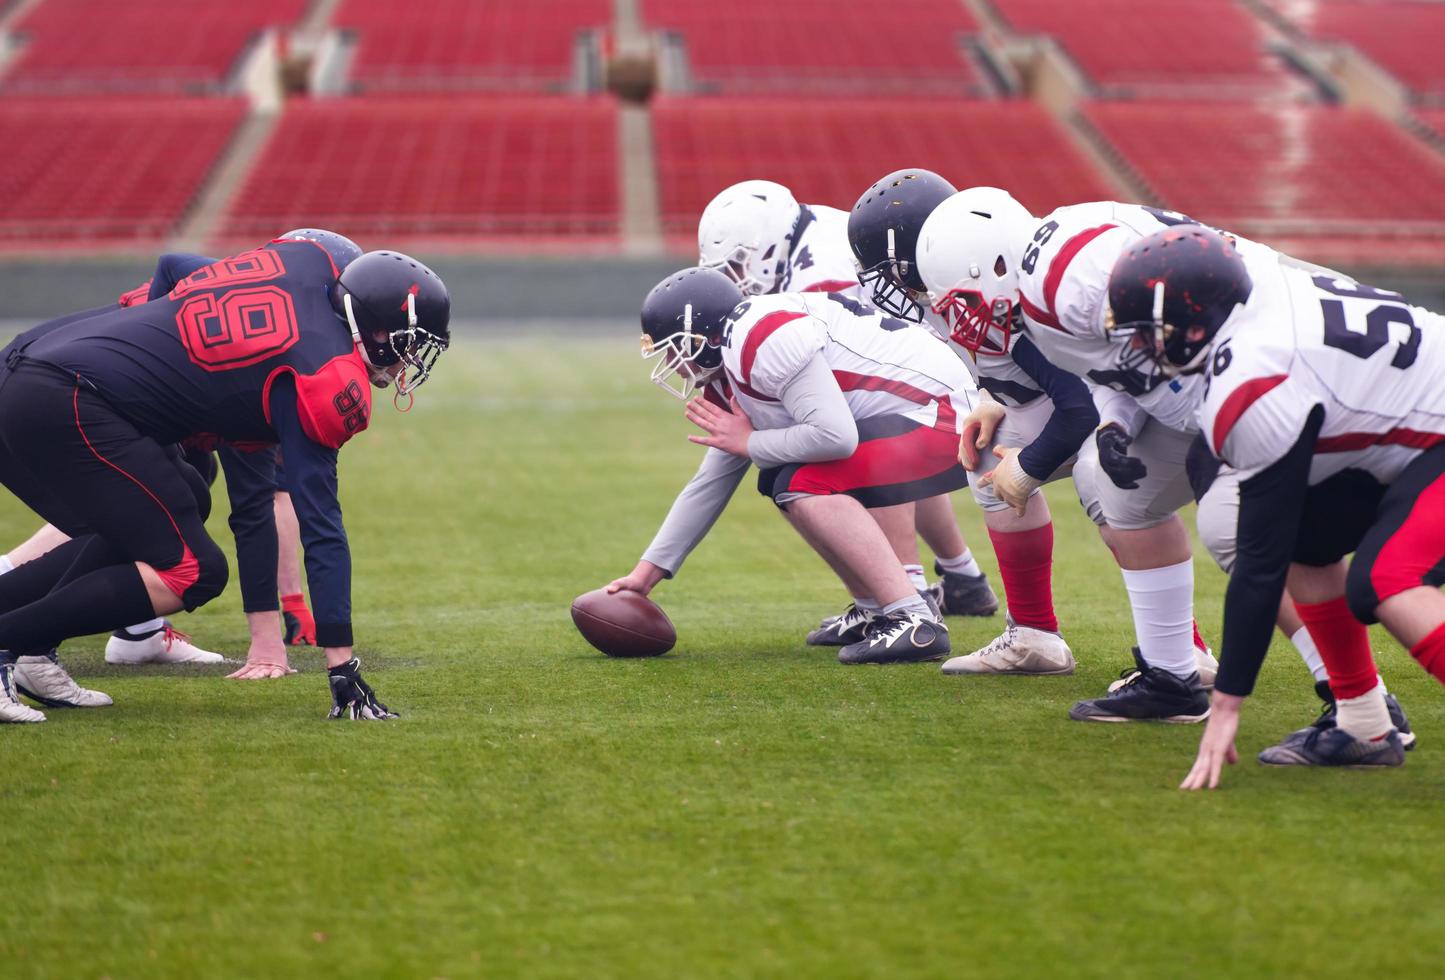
x: 999, y: 266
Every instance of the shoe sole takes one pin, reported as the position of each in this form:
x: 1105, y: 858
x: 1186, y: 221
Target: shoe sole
x: 1010, y: 673
x: 52, y: 703
x: 1119, y: 719
x: 890, y: 663
x: 1320, y: 765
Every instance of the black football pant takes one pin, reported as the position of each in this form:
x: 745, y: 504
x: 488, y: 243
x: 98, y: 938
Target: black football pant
x: 122, y: 496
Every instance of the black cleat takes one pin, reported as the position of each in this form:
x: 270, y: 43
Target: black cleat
x: 1327, y: 716
x: 1149, y: 695
x: 839, y: 631
x: 1334, y: 747
x: 898, y: 638
x: 963, y: 595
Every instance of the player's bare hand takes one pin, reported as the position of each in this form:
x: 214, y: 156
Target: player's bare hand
x: 640, y: 580
x: 725, y: 430
x: 1009, y: 480
x: 978, y: 428
x: 1216, y: 746
x: 260, y: 670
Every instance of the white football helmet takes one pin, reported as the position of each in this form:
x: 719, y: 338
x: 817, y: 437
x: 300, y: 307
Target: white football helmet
x: 745, y: 233
x: 968, y: 257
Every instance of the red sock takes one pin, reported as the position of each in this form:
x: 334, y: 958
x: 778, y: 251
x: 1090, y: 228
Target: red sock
x: 1344, y: 646
x: 1026, y: 564
x: 1199, y: 643
x: 1430, y: 652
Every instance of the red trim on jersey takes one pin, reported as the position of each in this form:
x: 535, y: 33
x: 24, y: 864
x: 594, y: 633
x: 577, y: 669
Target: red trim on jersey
x: 1060, y: 263
x: 1042, y: 316
x: 849, y: 381
x: 750, y: 391
x: 184, y: 573
x: 830, y: 286
x: 1350, y: 441
x: 1234, y: 406
x: 760, y: 332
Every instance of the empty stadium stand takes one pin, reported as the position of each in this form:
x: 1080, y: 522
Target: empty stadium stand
x: 1150, y: 49
x: 1402, y: 36
x: 447, y: 167
x: 81, y: 46
x: 466, y: 44
x: 908, y: 47
x: 74, y: 172
x: 830, y: 150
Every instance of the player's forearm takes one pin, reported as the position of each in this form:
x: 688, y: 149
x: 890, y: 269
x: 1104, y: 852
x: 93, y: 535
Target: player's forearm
x: 1074, y: 419
x: 249, y: 483
x: 695, y: 510
x: 824, y: 429
x: 1117, y: 408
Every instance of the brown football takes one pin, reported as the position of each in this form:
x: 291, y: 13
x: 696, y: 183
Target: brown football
x: 623, y: 624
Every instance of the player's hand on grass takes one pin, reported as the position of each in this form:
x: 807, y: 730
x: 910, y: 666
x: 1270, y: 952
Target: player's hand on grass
x: 352, y: 699
x: 1126, y: 471
x: 1216, y: 747
x: 978, y: 428
x: 1009, y: 480
x: 725, y: 430
x: 640, y: 580
x: 266, y: 657
x: 261, y: 670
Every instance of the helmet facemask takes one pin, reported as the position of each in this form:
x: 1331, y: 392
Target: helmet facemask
x: 682, y: 358
x: 888, y: 279
x: 1157, y: 349
x: 413, y: 347
x: 755, y: 274
x: 974, y: 324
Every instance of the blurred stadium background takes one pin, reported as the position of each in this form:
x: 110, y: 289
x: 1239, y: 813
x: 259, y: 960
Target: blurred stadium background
x: 551, y: 157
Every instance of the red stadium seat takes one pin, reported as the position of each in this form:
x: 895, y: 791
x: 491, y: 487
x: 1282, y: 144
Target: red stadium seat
x: 1402, y: 36
x: 467, y: 43
x: 82, y: 46
x: 1179, y: 48
x: 830, y: 150
x: 75, y: 172
x: 1289, y: 171
x: 458, y: 168
x: 757, y: 46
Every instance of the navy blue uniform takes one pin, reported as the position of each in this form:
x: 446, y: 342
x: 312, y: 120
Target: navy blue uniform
x: 248, y: 350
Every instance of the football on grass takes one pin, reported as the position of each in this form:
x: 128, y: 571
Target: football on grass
x: 623, y: 624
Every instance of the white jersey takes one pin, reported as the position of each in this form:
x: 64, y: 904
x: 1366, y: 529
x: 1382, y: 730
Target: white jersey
x: 1376, y: 365
x: 821, y: 261
x: 1064, y: 292
x: 882, y: 370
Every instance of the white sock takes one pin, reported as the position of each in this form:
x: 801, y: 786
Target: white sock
x: 1366, y: 716
x: 867, y: 605
x: 916, y: 576
x: 6, y: 565
x: 1163, y: 603
x: 149, y: 626
x: 913, y: 604
x: 1305, y: 644
x: 962, y: 565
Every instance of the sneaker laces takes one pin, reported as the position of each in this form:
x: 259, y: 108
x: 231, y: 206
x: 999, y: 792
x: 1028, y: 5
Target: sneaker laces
x: 886, y: 629
x: 1001, y: 642
x: 170, y: 635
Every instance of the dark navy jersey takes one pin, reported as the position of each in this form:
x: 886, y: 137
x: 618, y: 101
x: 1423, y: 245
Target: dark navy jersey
x: 202, y: 359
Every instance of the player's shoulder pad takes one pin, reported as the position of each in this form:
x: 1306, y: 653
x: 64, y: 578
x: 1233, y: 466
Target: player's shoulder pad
x: 333, y: 402
x: 775, y: 338
x: 1253, y: 411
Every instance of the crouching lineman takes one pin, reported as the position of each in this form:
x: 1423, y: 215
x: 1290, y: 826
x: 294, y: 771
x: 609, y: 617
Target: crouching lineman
x: 757, y: 234
x: 267, y: 346
x: 839, y: 414
x: 1328, y: 397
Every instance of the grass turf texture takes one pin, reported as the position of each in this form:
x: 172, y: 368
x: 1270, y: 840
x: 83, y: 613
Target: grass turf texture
x: 744, y: 806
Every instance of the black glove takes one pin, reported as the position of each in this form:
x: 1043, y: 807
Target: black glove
x: 352, y: 698
x: 1126, y: 471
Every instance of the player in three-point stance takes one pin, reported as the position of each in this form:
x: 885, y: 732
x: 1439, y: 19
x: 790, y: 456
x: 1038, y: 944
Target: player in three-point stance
x: 1328, y: 398
x: 757, y: 233
x: 841, y: 413
x: 267, y: 346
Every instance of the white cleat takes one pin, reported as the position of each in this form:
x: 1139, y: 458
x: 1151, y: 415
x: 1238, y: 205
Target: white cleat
x: 12, y: 709
x: 1017, y: 650
x: 44, y: 681
x: 163, y: 646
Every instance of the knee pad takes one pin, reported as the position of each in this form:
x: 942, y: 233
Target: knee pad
x: 1086, y: 481
x: 1217, y: 530
x: 1360, y: 592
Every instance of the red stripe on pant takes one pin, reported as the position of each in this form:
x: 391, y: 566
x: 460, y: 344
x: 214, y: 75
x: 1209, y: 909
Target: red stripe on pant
x: 1415, y: 549
x: 184, y: 573
x: 915, y: 455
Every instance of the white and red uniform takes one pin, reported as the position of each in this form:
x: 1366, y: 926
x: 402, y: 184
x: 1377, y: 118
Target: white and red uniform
x: 820, y: 260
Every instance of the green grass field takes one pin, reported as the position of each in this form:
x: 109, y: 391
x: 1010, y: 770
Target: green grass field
x: 742, y: 807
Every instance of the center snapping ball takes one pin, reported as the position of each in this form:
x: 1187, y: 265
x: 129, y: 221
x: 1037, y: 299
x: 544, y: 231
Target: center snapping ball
x: 623, y: 624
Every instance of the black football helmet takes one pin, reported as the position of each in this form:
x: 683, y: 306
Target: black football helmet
x: 1173, y: 290
x: 682, y: 327
x: 883, y: 233
x: 343, y: 251
x: 398, y: 310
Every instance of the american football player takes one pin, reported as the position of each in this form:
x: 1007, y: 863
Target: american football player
x: 1327, y: 396
x: 840, y: 412
x: 757, y: 233
x: 270, y: 346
